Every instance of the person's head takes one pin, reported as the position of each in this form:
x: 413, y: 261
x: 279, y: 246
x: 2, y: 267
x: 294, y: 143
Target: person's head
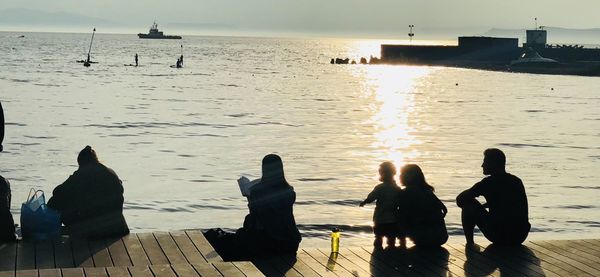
x: 411, y: 176
x: 87, y: 156
x: 387, y: 171
x: 272, y: 171
x: 494, y: 161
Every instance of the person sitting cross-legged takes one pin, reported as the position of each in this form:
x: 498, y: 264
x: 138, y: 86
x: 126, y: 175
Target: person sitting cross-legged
x: 504, y: 218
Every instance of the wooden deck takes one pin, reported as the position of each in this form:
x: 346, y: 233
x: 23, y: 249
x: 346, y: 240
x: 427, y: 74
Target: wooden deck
x: 187, y: 253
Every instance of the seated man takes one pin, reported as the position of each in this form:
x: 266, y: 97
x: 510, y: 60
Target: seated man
x: 91, y: 200
x: 507, y: 220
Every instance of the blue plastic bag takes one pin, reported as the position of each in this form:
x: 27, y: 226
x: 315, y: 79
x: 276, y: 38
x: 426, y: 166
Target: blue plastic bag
x: 38, y: 221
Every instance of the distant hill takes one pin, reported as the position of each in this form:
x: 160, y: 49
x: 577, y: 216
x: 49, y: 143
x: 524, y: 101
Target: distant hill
x: 555, y: 35
x: 31, y: 17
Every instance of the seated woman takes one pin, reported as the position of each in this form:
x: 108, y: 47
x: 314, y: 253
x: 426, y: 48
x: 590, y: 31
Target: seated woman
x: 91, y: 200
x: 7, y: 224
x: 270, y: 227
x: 424, y: 222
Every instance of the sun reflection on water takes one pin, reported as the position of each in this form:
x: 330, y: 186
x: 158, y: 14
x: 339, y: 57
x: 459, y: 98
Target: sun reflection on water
x: 391, y: 90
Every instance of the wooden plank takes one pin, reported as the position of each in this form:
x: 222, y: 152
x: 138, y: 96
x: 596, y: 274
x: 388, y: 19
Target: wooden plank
x: 289, y: 265
x: 569, y: 257
x: 25, y: 255
x: 374, y: 262
x: 276, y: 266
x: 345, y: 263
x: 118, y: 271
x: 44, y: 255
x: 185, y: 270
x: 362, y: 263
x: 118, y: 253
x: 72, y: 272
x: 206, y: 269
x: 135, y: 250
x: 577, y: 253
x: 81, y: 253
x: 27, y: 273
x: 330, y: 262
x: 162, y: 270
x: 8, y: 252
x: 266, y: 267
x: 228, y: 269
x: 95, y: 272
x: 7, y: 273
x: 248, y: 269
x: 63, y: 255
x: 187, y: 247
x: 140, y: 271
x: 400, y: 264
x: 207, y: 251
x: 473, y: 264
x: 422, y: 262
x: 354, y: 263
x: 315, y: 265
x: 100, y: 253
x: 548, y: 257
x: 169, y: 247
x: 153, y: 250
x: 50, y: 272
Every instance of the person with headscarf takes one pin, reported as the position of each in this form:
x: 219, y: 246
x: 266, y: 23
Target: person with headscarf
x: 91, y: 200
x: 270, y: 227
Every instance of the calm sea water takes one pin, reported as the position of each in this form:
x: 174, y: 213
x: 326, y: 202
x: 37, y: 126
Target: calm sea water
x: 179, y: 138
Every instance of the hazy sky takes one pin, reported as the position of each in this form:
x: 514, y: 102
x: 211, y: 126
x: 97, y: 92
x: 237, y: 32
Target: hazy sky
x: 332, y: 15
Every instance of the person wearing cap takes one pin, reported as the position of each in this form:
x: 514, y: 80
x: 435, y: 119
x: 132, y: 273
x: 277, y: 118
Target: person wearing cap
x: 504, y: 219
x: 91, y: 200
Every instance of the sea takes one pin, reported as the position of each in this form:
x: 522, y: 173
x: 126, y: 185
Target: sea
x: 180, y: 138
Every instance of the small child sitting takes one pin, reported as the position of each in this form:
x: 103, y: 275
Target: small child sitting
x: 386, y: 217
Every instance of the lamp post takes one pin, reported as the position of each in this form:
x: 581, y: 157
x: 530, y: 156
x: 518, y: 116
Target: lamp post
x: 410, y: 33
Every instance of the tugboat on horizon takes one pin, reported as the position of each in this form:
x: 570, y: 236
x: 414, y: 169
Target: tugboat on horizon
x: 154, y: 33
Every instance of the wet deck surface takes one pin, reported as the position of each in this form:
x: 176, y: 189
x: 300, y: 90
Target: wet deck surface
x: 187, y: 253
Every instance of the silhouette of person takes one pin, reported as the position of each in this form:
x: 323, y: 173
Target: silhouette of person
x: 136, y: 59
x: 178, y: 63
x: 424, y: 222
x: 7, y: 224
x: 1, y: 127
x: 506, y: 220
x: 386, y: 216
x: 91, y: 200
x: 181, y: 59
x: 270, y: 227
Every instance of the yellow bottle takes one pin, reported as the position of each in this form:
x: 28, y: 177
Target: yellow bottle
x: 335, y: 240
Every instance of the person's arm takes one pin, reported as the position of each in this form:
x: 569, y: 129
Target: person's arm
x: 370, y: 198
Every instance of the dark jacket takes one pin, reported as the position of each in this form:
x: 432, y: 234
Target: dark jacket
x: 91, y: 202
x: 272, y: 215
x: 7, y: 224
x: 425, y: 214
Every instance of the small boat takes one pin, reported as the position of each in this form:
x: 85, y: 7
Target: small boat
x: 154, y: 33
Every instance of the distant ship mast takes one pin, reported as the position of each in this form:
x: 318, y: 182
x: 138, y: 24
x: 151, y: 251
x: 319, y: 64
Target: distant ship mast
x: 410, y: 33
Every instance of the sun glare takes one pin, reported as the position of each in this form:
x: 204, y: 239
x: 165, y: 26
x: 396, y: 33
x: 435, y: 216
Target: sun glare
x: 392, y: 89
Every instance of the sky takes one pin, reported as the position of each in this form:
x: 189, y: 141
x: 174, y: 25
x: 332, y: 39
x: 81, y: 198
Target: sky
x: 330, y: 16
